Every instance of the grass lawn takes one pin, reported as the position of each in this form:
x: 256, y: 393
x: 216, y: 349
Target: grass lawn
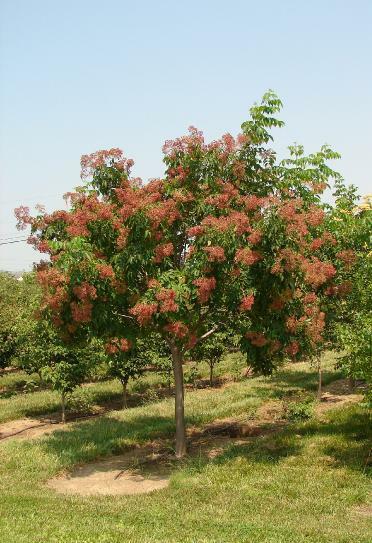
x: 307, y: 483
x: 18, y: 399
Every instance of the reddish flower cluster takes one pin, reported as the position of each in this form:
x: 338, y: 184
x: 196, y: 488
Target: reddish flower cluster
x: 162, y: 251
x: 292, y: 349
x: 121, y: 240
x: 185, y: 144
x: 153, y: 283
x: 347, y: 256
x: 166, y: 212
x: 246, y: 303
x: 166, y: 297
x: 251, y: 203
x: 85, y: 291
x: 22, y: 214
x: 255, y: 237
x: 112, y: 157
x: 256, y: 338
x: 56, y: 300
x: 246, y: 256
x: 117, y: 344
x: 178, y: 329
x: 316, y: 272
x: 143, y: 312
x: 205, y: 286
x: 81, y: 312
x: 105, y: 271
x: 50, y: 277
x: 215, y: 253
x: 195, y: 231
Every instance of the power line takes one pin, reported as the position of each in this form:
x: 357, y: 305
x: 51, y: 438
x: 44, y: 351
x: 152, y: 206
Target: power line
x: 15, y: 241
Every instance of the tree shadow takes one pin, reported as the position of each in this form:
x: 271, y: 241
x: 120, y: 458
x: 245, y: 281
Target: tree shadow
x: 349, y: 446
x: 288, y: 382
x: 105, y: 436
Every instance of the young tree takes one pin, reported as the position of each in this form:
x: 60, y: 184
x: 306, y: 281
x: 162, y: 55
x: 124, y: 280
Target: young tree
x: 211, y: 350
x: 227, y: 231
x: 124, y: 363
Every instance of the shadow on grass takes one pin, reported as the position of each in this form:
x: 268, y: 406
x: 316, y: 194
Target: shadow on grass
x: 104, y: 436
x: 288, y: 382
x: 349, y: 432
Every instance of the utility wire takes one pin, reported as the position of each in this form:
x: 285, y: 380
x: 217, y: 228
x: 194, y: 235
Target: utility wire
x: 15, y: 241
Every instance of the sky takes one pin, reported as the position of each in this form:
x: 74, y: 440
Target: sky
x: 81, y: 75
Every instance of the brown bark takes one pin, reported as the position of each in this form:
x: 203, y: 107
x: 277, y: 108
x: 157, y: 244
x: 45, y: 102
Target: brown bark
x: 177, y: 360
x: 63, y: 406
x: 319, y: 380
x: 211, y: 366
x: 125, y: 402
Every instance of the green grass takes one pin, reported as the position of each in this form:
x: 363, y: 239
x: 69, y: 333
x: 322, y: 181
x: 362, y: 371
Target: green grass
x: 16, y: 401
x: 303, y: 484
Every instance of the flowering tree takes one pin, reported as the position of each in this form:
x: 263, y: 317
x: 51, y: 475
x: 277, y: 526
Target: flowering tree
x: 227, y: 233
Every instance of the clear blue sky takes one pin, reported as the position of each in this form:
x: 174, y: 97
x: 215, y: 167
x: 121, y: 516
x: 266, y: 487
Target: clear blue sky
x: 82, y: 75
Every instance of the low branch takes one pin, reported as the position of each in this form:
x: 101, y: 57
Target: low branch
x: 125, y: 316
x: 207, y: 334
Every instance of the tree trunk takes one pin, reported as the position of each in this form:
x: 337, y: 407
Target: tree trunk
x: 179, y: 402
x: 211, y: 366
x: 125, y: 403
x: 319, y: 380
x: 63, y: 405
x: 169, y: 381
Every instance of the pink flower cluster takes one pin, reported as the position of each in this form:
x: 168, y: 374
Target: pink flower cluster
x: 162, y: 251
x: 246, y: 303
x: 112, y: 157
x: 143, y: 312
x: 215, y: 253
x: 166, y: 297
x: 117, y: 344
x: 256, y: 338
x: 85, y: 291
x: 105, y: 271
x: 246, y: 256
x: 178, y: 329
x: 205, y: 286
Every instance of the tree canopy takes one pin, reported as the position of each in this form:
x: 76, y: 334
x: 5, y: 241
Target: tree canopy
x: 228, y: 234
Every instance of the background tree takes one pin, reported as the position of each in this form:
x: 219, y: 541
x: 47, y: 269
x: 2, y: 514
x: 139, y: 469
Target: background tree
x: 227, y: 231
x: 16, y: 296
x: 349, y: 299
x: 124, y: 362
x: 212, y: 350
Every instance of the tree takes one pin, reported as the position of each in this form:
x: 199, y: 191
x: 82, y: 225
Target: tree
x: 15, y: 298
x: 226, y: 231
x: 124, y: 363
x: 349, y: 299
x: 211, y: 350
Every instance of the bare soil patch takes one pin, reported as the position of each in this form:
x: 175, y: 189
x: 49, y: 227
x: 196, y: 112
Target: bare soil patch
x: 27, y: 428
x: 337, y: 394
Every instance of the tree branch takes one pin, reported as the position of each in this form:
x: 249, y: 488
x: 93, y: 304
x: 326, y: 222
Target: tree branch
x: 207, y: 334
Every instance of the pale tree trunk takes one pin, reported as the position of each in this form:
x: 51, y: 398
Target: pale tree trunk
x: 211, y: 366
x: 179, y: 401
x: 63, y: 406
x: 125, y: 401
x: 169, y: 381
x: 319, y: 379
